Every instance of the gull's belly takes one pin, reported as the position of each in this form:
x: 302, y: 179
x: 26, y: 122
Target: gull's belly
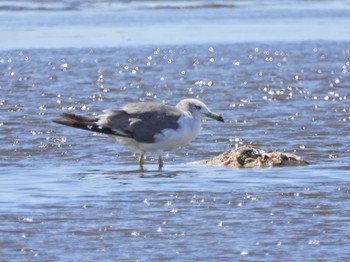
x: 170, y: 139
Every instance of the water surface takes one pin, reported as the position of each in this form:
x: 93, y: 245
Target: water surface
x: 69, y: 194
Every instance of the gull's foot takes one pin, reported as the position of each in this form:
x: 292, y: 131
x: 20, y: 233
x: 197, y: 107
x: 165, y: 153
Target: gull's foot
x: 141, y: 161
x: 160, y: 163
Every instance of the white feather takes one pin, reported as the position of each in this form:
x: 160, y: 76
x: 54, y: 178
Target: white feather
x: 168, y: 139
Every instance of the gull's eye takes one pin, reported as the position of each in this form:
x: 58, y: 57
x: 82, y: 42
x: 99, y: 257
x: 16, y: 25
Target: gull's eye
x: 197, y: 107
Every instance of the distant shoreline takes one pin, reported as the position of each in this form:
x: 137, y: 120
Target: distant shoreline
x: 106, y: 28
x: 89, y: 37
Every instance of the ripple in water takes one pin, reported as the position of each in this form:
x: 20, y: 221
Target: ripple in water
x: 67, y: 194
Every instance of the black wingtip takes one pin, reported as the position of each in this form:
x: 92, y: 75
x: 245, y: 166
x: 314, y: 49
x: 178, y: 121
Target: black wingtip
x: 63, y: 122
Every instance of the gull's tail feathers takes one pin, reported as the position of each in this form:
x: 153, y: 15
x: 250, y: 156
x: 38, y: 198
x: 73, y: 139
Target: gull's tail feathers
x: 86, y: 123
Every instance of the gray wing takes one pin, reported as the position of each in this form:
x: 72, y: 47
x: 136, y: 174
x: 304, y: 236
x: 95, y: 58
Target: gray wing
x: 142, y: 121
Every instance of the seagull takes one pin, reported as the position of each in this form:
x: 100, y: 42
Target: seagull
x: 147, y: 126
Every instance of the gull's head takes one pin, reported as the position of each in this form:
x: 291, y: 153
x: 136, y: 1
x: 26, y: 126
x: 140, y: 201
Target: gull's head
x: 198, y: 109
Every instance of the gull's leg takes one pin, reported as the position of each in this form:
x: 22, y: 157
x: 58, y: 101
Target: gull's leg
x: 160, y: 162
x: 141, y: 160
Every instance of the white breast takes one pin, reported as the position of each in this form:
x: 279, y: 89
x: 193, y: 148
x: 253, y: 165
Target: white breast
x: 171, y: 138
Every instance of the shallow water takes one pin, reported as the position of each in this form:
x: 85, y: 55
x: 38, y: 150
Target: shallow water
x: 69, y: 194
x: 289, y: 97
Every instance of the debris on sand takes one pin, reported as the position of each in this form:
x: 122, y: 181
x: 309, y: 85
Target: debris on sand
x: 248, y: 156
